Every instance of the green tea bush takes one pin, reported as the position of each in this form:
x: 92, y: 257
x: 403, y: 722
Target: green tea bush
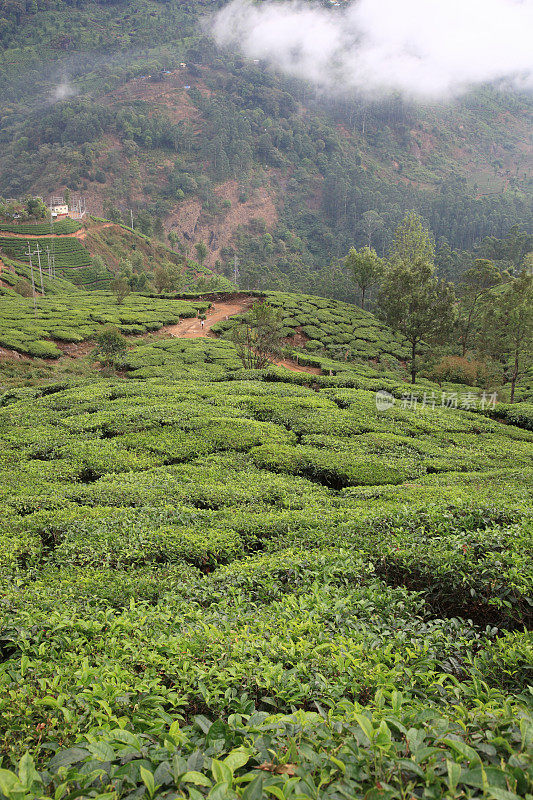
x: 257, y: 584
x: 324, y: 466
x: 59, y: 227
x: 331, y: 326
x: 79, y: 316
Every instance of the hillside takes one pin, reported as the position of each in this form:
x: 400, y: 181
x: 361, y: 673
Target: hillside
x: 257, y: 582
x: 310, y: 324
x: 72, y: 251
x: 226, y: 152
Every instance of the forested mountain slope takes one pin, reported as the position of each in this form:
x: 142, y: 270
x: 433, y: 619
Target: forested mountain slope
x: 225, y: 151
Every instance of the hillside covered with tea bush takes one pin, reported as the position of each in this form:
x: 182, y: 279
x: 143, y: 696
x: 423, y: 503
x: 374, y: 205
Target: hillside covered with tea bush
x: 231, y: 583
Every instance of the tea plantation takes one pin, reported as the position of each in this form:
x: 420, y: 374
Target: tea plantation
x: 340, y: 330
x: 60, y: 227
x: 78, y: 316
x: 73, y: 261
x: 255, y: 584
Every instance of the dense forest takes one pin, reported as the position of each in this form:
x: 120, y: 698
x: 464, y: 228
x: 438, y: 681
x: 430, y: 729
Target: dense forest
x: 272, y: 173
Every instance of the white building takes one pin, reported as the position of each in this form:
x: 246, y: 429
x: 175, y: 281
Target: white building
x: 58, y: 207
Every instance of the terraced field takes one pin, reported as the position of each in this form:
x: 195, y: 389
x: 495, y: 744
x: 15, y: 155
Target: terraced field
x: 78, y: 316
x: 241, y: 584
x: 60, y: 227
x: 73, y: 262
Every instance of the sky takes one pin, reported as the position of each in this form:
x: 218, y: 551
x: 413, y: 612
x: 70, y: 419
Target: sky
x: 424, y: 49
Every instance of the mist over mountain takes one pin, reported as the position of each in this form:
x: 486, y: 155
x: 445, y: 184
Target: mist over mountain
x: 278, y: 133
x: 428, y: 49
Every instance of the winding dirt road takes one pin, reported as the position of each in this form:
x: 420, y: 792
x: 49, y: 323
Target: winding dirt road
x: 193, y: 329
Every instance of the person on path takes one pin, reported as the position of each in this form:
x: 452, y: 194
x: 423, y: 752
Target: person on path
x: 202, y: 323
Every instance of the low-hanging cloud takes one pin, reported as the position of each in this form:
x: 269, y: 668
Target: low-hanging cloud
x: 429, y: 49
x: 62, y: 91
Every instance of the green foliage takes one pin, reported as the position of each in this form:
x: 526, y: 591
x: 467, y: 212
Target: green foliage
x: 58, y: 228
x: 121, y: 289
x: 339, y: 330
x: 507, y: 328
x: 72, y: 260
x: 231, y: 579
x: 412, y: 299
x: 110, y: 346
x: 258, y: 336
x: 78, y: 316
x: 365, y: 267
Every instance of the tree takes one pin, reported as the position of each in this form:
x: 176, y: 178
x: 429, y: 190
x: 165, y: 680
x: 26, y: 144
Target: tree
x: 162, y: 279
x: 413, y: 242
x: 476, y: 283
x: 201, y: 251
x: 173, y: 239
x: 100, y: 269
x: 366, y: 268
x: 507, y: 328
x: 412, y: 299
x: 111, y: 212
x: 36, y: 209
x: 258, y: 336
x: 371, y: 222
x: 121, y: 289
x: 110, y: 346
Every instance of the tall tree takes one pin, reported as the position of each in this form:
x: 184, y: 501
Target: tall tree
x: 507, y: 329
x: 413, y: 242
x: 476, y: 283
x: 366, y: 268
x: 412, y: 299
x: 201, y: 251
x: 371, y: 222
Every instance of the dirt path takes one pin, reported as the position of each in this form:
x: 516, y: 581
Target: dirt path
x: 185, y: 329
x: 192, y: 328
x: 288, y: 363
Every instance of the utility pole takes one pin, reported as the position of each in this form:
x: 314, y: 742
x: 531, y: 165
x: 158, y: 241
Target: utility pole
x: 236, y: 274
x: 49, y: 262
x: 39, y: 251
x: 131, y: 215
x: 53, y: 265
x: 32, y: 281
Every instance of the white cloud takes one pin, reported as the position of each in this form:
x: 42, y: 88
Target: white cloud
x: 63, y: 90
x: 424, y: 48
